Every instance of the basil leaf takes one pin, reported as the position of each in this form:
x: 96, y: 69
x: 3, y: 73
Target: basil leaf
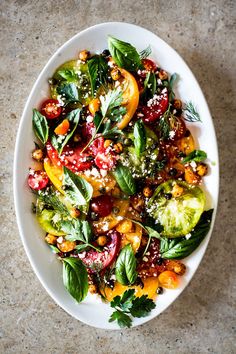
x: 77, y: 189
x: 145, y: 52
x: 174, y: 249
x: 196, y: 155
x: 98, y: 69
x: 75, y: 278
x: 140, y: 137
x: 149, y: 86
x: 126, y: 266
x: 68, y: 74
x: 124, y: 54
x: 40, y: 126
x: 69, y: 92
x: 125, y: 179
x: 59, y: 141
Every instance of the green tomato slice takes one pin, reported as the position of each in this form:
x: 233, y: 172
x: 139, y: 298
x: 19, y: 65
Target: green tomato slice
x: 45, y: 219
x: 177, y: 215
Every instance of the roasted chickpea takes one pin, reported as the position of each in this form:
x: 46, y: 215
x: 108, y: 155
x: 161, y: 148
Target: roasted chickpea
x: 177, y: 191
x: 115, y: 74
x: 201, y: 169
x: 37, y: 154
x: 51, y: 239
x: 178, y: 267
x: 116, y: 192
x: 147, y: 192
x: 125, y: 226
x: 84, y: 55
x: 66, y: 246
x: 163, y: 75
x: 75, y: 213
x: 94, y: 105
x: 190, y: 176
x: 137, y: 202
x: 177, y: 104
x: 77, y: 138
x: 108, y: 143
x: 93, y: 289
x: 102, y: 241
x: 118, y: 148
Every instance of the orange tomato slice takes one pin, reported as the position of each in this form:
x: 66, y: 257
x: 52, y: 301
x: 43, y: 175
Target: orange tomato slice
x: 134, y: 238
x: 150, y: 288
x: 55, y: 174
x: 130, y: 97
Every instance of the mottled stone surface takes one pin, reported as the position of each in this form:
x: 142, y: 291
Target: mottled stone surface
x: 202, y: 320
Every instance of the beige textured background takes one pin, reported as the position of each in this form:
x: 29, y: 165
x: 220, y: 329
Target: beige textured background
x: 202, y: 320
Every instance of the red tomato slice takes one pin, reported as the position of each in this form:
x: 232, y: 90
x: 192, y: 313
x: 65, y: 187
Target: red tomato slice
x: 156, y: 109
x: 72, y: 158
x: 97, y: 146
x: 149, y: 266
x: 105, y: 258
x: 37, y: 179
x: 51, y: 109
x: 105, y: 160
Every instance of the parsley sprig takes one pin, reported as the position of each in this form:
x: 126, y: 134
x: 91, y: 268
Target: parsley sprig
x: 128, y: 306
x: 111, y: 111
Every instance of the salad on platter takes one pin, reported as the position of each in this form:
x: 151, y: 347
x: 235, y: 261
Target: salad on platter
x: 117, y: 178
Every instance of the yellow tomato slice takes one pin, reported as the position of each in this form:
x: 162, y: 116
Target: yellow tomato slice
x: 55, y: 174
x: 107, y: 182
x: 130, y: 97
x: 150, y: 288
x: 186, y: 144
x: 134, y: 238
x: 110, y: 221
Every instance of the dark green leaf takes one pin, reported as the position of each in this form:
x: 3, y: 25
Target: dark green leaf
x: 75, y: 278
x: 145, y: 52
x: 122, y: 319
x: 77, y: 189
x: 175, y: 249
x: 54, y: 249
x: 173, y: 79
x: 59, y: 141
x: 98, y: 69
x: 140, y: 137
x: 142, y: 306
x: 40, y: 126
x: 82, y: 247
x: 125, y: 179
x: 68, y: 74
x: 150, y: 86
x: 124, y: 54
x: 190, y: 113
x: 196, y: 155
x: 125, y: 271
x: 69, y: 92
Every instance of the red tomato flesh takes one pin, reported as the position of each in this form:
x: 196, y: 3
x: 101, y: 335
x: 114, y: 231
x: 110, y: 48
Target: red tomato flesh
x: 156, y: 108
x: 37, y: 180
x: 105, y: 258
x: 105, y: 160
x: 148, y: 267
x: 51, y: 109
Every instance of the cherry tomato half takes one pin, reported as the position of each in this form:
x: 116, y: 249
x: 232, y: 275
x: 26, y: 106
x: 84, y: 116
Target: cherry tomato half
x: 105, y: 160
x: 102, y: 205
x: 37, y: 180
x: 51, y: 109
x: 106, y: 257
x: 149, y: 65
x: 157, y: 109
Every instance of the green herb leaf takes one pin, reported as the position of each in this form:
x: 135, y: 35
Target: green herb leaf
x: 140, y: 137
x: 54, y: 249
x: 124, y: 54
x: 77, y: 189
x: 175, y: 249
x: 50, y: 200
x: 196, y: 155
x: 145, y: 52
x: 142, y: 306
x: 68, y: 74
x: 75, y: 278
x: 125, y: 179
x: 40, y: 126
x: 111, y: 101
x: 128, y: 304
x: 59, y: 141
x: 173, y: 79
x: 69, y: 92
x: 122, y: 319
x: 190, y: 113
x: 98, y: 69
x: 125, y: 271
x: 149, y: 86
